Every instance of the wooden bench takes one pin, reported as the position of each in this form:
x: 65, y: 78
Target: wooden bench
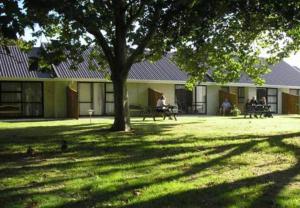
x: 154, y: 112
x: 10, y: 109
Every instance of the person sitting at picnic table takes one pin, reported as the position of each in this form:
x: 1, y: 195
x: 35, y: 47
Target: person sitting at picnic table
x: 162, y: 107
x: 161, y: 104
x: 249, y: 109
x: 266, y: 108
x: 225, y: 107
x: 263, y: 101
x: 254, y: 103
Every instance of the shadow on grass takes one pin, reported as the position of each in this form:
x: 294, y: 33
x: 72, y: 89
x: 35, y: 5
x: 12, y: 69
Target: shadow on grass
x: 114, y: 149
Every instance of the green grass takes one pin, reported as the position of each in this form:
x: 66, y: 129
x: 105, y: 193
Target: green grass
x: 192, y: 162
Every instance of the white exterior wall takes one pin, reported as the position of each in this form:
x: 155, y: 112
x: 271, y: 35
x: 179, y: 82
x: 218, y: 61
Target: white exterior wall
x: 138, y: 92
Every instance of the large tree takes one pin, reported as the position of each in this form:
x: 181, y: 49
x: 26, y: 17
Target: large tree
x: 224, y: 36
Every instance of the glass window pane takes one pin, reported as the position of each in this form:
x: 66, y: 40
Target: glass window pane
x: 83, y: 109
x: 11, y: 86
x: 8, y: 97
x: 109, y: 87
x: 272, y: 91
x: 272, y: 99
x: 200, y: 94
x: 85, y: 94
x: 241, y: 92
x: 32, y: 109
x: 110, y: 108
x: 32, y: 92
x: 200, y: 108
x: 273, y: 107
x: 109, y: 97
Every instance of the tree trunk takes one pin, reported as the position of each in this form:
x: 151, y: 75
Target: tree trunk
x: 122, y: 117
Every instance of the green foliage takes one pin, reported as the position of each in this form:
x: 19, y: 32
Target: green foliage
x: 235, y: 111
x: 12, y: 20
x: 224, y: 38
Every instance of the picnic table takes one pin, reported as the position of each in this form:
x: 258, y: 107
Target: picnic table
x: 258, y: 109
x: 167, y: 111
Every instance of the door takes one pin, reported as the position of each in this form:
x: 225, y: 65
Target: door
x: 183, y: 98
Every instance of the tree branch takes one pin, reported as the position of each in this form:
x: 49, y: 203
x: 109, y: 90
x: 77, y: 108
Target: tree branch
x: 133, y: 16
x: 99, y: 37
x: 142, y: 45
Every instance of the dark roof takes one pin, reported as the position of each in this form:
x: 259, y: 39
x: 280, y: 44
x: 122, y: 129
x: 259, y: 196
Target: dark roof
x: 15, y: 64
x: 281, y: 74
x: 164, y: 69
x: 63, y: 70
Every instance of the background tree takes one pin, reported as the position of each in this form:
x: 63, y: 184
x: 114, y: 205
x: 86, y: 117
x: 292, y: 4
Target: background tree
x: 12, y: 24
x: 218, y: 35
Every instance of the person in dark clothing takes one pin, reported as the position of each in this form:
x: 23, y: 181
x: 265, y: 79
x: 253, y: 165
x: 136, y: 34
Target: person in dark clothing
x: 248, y: 108
x: 253, y: 103
x: 262, y: 106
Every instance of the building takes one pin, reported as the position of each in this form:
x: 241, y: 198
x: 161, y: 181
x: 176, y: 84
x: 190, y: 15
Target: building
x: 29, y: 93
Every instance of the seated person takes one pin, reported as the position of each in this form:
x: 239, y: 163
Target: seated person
x: 263, y: 101
x: 253, y: 101
x: 161, y: 105
x: 225, y: 107
x: 249, y: 108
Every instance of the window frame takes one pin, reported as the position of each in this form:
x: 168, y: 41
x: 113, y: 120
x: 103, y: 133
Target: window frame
x: 238, y: 94
x: 196, y: 103
x: 22, y: 103
x: 267, y: 96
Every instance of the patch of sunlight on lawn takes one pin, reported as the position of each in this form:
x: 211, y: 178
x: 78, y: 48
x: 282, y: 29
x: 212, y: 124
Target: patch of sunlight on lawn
x: 192, y: 162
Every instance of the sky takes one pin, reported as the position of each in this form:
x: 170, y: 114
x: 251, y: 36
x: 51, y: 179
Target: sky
x: 294, y: 60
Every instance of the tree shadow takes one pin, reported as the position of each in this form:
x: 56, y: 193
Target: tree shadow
x: 116, y: 149
x: 219, y: 195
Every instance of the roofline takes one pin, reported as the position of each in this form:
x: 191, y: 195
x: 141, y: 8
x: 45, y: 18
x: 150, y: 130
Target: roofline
x: 249, y: 85
x: 151, y: 81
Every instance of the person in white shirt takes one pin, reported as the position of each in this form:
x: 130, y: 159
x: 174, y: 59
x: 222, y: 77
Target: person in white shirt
x: 161, y: 104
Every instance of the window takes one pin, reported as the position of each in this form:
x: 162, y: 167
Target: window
x: 271, y: 95
x: 295, y: 92
x: 183, y: 99
x: 200, y: 100
x: 85, y: 98
x: 241, y: 94
x: 272, y: 99
x: 91, y: 96
x: 109, y: 99
x: 21, y: 99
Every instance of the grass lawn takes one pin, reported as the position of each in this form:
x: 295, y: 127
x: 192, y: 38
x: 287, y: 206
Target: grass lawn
x: 194, y: 162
